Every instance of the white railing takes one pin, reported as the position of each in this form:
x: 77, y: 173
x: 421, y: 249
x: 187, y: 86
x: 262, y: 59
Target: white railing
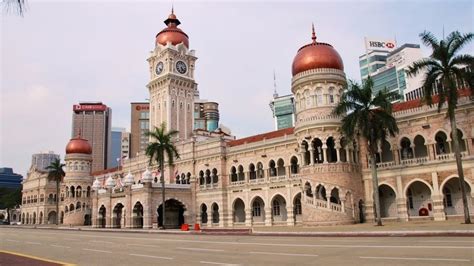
x: 238, y: 183
x: 335, y: 207
x: 321, y: 203
x: 137, y: 186
x: 419, y: 160
x: 277, y: 178
x: 385, y: 164
x: 257, y: 181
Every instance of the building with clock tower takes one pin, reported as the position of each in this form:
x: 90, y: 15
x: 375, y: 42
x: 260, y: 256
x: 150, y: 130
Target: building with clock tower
x: 172, y: 87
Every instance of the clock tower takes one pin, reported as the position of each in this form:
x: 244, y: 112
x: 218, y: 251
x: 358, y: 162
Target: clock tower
x: 172, y: 87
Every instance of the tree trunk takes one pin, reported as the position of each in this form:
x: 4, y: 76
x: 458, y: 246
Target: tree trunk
x: 162, y: 179
x: 8, y: 216
x: 457, y: 153
x: 57, y: 202
x: 375, y: 185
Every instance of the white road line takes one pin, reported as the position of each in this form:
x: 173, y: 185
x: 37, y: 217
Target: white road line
x: 11, y: 240
x: 98, y: 241
x: 153, y: 257
x: 32, y: 243
x: 142, y: 245
x: 71, y: 239
x: 217, y: 263
x: 446, y: 241
x: 96, y: 250
x: 58, y: 246
x: 284, y: 254
x: 398, y: 258
x: 202, y: 249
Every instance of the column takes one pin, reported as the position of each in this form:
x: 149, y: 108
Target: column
x: 328, y: 196
x: 401, y: 201
x: 268, y: 216
x: 369, y: 202
x: 348, y: 157
x: 248, y: 217
x: 343, y: 203
x: 437, y: 199
x: 395, y: 156
x: 302, y: 158
x: 324, y: 154
x: 311, y: 155
x: 430, y: 150
x: 290, y: 217
x: 338, y: 153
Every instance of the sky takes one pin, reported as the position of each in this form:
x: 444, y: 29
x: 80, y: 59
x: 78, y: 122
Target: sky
x: 61, y: 53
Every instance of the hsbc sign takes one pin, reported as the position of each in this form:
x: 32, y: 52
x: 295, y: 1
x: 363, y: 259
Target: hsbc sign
x: 386, y: 45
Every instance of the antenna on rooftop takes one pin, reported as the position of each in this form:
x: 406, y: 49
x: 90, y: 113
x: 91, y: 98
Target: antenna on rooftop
x: 275, y: 93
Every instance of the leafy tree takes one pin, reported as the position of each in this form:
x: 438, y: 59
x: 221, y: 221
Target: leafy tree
x: 10, y: 198
x: 159, y: 149
x: 370, y: 117
x: 18, y: 6
x: 56, y: 174
x: 445, y: 65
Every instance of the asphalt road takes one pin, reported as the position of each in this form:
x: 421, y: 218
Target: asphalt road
x: 115, y: 248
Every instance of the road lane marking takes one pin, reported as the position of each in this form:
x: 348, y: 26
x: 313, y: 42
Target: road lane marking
x: 98, y: 241
x: 447, y: 241
x: 284, y: 254
x: 11, y: 240
x: 58, y: 246
x: 217, y: 263
x: 32, y: 243
x: 149, y: 256
x: 399, y: 258
x: 96, y: 250
x: 142, y: 245
x: 202, y: 249
x: 71, y: 239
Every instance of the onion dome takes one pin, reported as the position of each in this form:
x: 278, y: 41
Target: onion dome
x: 172, y: 33
x: 146, y: 177
x: 78, y: 145
x: 316, y: 55
x: 96, y: 184
x: 110, y: 182
x: 128, y: 180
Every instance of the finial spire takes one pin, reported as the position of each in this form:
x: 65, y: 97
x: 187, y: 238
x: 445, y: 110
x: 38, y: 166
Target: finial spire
x: 275, y: 94
x: 80, y: 131
x: 172, y: 9
x: 313, y: 35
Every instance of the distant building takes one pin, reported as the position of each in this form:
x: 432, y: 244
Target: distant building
x: 391, y: 74
x: 140, y: 124
x: 125, y: 145
x: 42, y: 160
x: 283, y: 108
x: 206, y: 115
x: 115, y: 147
x: 9, y: 179
x: 92, y: 120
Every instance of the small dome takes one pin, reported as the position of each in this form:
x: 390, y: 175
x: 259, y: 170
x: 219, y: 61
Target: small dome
x: 78, y: 145
x: 110, y: 182
x: 147, y: 177
x: 172, y: 33
x: 128, y: 180
x: 316, y: 55
x: 96, y: 185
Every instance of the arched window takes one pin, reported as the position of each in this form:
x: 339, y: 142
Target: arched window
x: 240, y: 174
x: 448, y: 201
x: 331, y: 95
x: 215, y: 178
x: 252, y: 172
x: 188, y: 178
x: 183, y: 178
x: 88, y: 191
x: 307, y: 155
x: 308, y: 190
x: 331, y: 152
x: 79, y: 191
x: 272, y: 168
x: 256, y: 211
x: 71, y: 207
x: 297, y: 205
x: 317, y: 145
x: 201, y: 178
x: 281, y: 167
x: 410, y: 199
x: 178, y: 179
x: 78, y: 205
x: 276, y: 207
x: 208, y: 176
x: 406, y: 150
x: 233, y: 174
x: 260, y: 172
x: 441, y: 143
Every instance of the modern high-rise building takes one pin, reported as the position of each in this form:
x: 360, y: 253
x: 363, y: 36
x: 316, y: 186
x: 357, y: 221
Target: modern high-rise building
x: 206, y: 115
x: 9, y: 179
x: 283, y: 109
x: 375, y: 57
x: 388, y: 69
x: 140, y: 124
x: 92, y: 120
x: 43, y: 159
x: 115, y: 147
x: 125, y: 147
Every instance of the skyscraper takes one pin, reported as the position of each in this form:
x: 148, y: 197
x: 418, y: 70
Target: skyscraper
x: 92, y: 120
x: 43, y: 159
x: 140, y: 124
x: 115, y: 147
x: 283, y: 109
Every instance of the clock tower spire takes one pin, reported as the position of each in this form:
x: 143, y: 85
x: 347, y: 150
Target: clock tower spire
x: 172, y: 87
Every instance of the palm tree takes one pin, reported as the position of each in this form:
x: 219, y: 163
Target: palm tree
x: 56, y: 174
x: 444, y: 65
x: 156, y: 150
x: 370, y: 117
x: 18, y: 6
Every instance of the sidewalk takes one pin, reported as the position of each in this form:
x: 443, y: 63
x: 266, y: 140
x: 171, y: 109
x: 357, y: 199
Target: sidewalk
x: 394, y: 229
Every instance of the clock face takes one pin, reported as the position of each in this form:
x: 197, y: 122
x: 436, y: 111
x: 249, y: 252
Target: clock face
x: 181, y: 67
x: 159, y: 68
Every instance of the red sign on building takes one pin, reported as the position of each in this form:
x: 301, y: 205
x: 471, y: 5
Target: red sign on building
x: 89, y: 107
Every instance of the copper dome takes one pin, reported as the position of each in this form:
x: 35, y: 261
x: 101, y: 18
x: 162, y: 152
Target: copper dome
x: 316, y: 55
x: 78, y: 145
x: 172, y: 33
